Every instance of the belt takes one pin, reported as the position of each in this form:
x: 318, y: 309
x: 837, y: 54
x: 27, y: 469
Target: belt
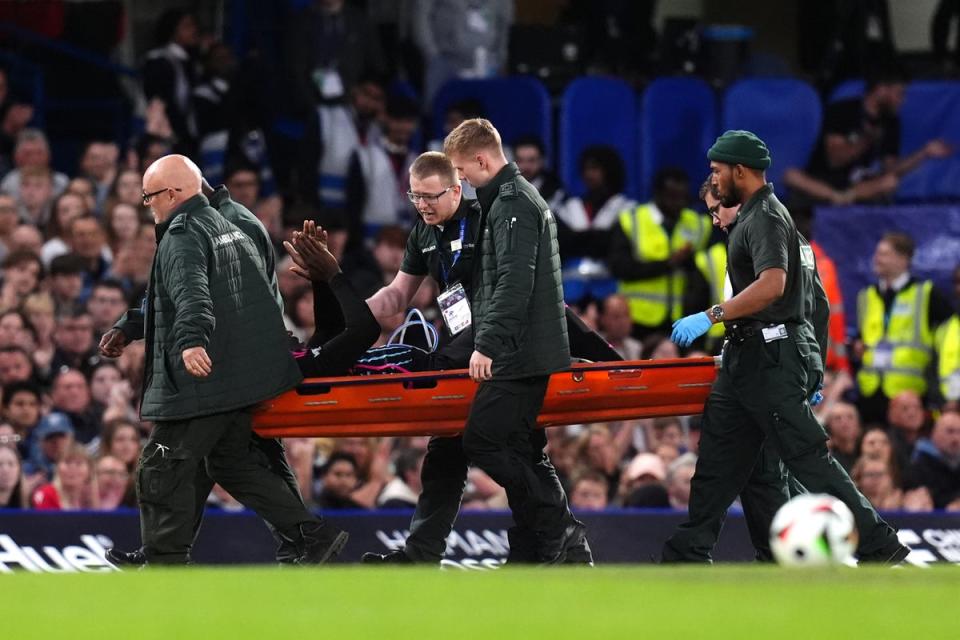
x: 741, y: 331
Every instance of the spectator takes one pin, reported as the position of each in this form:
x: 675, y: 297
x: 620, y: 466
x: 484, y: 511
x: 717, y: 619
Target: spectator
x: 123, y: 223
x: 39, y: 309
x: 74, y: 484
x: 333, y: 136
x: 936, y: 462
x: 15, y: 329
x: 843, y: 426
x: 600, y: 452
x: 66, y: 208
x: 332, y: 45
x: 584, y: 223
x: 891, y: 315
x: 371, y: 457
x: 36, y: 196
x: 652, y: 250
x: 114, y: 484
x: 76, y: 348
x: 643, y: 482
x: 169, y: 74
x: 151, y: 147
x: 679, y: 475
x: 132, y: 262
x: 9, y: 217
x: 657, y: 346
x: 32, y: 151
x: 125, y: 189
x: 98, y: 163
x: 590, y: 491
x: 383, y: 192
x: 14, y: 117
x: 906, y: 421
x: 121, y: 439
x: 104, y: 376
x: 70, y: 395
x: 12, y: 483
x: 66, y: 280
x: 51, y: 440
x: 339, y: 477
x: 615, y: 325
x: 15, y: 366
x: 107, y: 302
x: 858, y: 156
x: 461, y: 38
x: 947, y: 342
x: 876, y: 445
x: 84, y: 189
x: 875, y: 479
x: 403, y: 491
x: 529, y: 154
x: 89, y: 242
x: 21, y: 410
x: 22, y: 273
x: 26, y: 237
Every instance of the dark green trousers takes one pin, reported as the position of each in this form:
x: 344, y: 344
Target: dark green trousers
x: 168, y: 470
x: 273, y: 457
x: 761, y: 393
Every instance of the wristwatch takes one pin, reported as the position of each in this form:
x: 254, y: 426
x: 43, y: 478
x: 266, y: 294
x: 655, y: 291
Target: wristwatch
x: 716, y: 312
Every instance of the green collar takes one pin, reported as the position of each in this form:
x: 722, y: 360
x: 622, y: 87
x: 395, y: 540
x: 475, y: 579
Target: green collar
x: 489, y: 192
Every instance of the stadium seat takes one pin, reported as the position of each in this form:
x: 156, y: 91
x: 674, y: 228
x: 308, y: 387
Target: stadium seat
x: 678, y: 123
x: 517, y: 106
x: 785, y: 112
x: 931, y: 110
x: 847, y: 89
x: 597, y: 111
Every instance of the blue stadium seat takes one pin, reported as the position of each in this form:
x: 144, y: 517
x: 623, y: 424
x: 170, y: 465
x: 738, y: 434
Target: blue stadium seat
x: 517, y: 106
x: 597, y: 111
x: 785, y: 112
x: 847, y: 89
x: 931, y: 110
x: 678, y: 123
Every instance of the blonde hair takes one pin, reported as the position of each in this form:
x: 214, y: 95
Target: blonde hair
x: 476, y: 134
x: 90, y: 494
x: 434, y: 163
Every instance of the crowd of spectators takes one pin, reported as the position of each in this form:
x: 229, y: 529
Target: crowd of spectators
x: 76, y: 250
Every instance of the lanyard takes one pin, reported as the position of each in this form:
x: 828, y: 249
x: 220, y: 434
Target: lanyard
x: 445, y: 271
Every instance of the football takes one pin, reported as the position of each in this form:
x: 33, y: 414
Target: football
x: 813, y: 530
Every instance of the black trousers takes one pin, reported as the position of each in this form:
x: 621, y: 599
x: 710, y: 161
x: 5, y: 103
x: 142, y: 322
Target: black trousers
x: 502, y: 439
x: 761, y: 393
x: 168, y: 470
x: 271, y: 454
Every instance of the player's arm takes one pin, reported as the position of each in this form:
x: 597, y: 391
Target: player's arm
x: 396, y: 296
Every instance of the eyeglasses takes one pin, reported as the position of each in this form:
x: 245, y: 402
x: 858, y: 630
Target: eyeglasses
x: 714, y: 212
x: 429, y: 198
x: 149, y: 196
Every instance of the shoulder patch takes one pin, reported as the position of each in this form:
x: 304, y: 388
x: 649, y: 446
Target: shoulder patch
x: 508, y: 190
x: 179, y: 224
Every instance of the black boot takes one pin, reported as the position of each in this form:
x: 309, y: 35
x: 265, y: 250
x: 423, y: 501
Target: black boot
x: 120, y: 558
x: 556, y: 551
x: 398, y: 557
x: 318, y: 542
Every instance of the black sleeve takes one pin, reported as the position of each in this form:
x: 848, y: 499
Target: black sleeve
x: 338, y: 354
x: 940, y: 309
x: 591, y: 243
x: 768, y: 242
x: 623, y: 266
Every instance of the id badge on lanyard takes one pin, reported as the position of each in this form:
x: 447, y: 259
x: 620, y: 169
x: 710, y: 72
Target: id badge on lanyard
x: 453, y: 302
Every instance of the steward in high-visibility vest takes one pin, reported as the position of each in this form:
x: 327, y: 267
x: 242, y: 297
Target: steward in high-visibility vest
x: 837, y: 359
x: 897, y: 319
x: 948, y: 356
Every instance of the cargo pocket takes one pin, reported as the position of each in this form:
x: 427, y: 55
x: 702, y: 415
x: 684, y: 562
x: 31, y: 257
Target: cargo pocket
x: 797, y: 432
x: 169, y: 382
x: 161, y: 473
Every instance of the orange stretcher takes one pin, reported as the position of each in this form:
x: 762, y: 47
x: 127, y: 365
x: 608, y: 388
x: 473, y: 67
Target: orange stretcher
x: 437, y: 403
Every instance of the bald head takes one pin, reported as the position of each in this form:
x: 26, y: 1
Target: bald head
x: 169, y: 182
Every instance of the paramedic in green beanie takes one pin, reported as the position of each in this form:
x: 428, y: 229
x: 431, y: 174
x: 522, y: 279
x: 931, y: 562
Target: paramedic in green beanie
x: 769, y: 371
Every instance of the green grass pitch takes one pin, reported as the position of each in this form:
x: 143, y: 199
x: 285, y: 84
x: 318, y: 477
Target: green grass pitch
x: 353, y: 602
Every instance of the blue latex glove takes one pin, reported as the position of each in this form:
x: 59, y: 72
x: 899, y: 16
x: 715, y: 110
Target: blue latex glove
x: 686, y: 330
x: 817, y: 397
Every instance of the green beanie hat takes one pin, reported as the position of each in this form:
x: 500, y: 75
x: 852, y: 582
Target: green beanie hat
x: 740, y: 147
